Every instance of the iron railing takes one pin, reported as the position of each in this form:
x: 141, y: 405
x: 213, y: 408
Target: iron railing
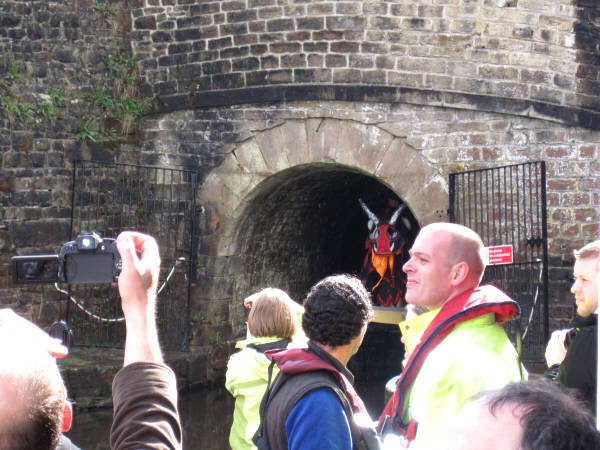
x: 110, y: 198
x: 507, y: 206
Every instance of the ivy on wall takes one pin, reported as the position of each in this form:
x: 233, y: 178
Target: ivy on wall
x: 115, y: 103
x: 44, y: 107
x: 109, y: 108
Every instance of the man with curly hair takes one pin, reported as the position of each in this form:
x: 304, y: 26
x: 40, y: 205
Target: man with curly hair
x: 311, y: 404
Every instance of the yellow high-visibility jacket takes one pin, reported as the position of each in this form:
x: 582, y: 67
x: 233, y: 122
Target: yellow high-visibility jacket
x: 246, y: 379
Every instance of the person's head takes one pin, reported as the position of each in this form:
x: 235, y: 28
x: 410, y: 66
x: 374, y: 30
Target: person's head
x: 585, y: 272
x: 270, y: 314
x: 337, y: 311
x: 524, y: 415
x: 446, y: 259
x: 33, y: 405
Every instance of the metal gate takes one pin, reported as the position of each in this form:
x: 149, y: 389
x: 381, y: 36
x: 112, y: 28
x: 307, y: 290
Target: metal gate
x: 109, y: 198
x: 507, y: 206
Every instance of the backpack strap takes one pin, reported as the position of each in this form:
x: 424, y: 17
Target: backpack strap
x: 258, y: 438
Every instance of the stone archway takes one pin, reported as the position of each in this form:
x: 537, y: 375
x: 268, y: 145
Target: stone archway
x: 367, y: 148
x: 276, y: 195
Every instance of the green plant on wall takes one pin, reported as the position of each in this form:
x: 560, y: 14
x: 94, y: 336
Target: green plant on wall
x: 22, y: 112
x: 217, y: 340
x: 104, y: 8
x: 88, y: 130
x: 47, y: 110
x: 110, y: 132
x: 101, y: 99
x: 50, y: 103
x: 128, y: 110
x: 112, y: 108
x: 45, y: 107
x: 117, y: 95
x: 57, y: 95
x: 14, y: 74
x: 10, y: 103
x: 199, y: 318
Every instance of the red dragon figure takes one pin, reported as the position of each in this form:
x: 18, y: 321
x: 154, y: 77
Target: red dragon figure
x: 382, y: 268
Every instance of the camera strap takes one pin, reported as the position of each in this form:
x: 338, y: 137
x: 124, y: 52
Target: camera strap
x: 85, y: 310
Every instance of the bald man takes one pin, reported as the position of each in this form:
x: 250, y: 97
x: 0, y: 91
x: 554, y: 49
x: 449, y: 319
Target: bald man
x: 463, y: 349
x: 33, y: 400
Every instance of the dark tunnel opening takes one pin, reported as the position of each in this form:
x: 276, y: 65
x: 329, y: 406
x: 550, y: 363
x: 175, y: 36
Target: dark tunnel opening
x: 305, y: 223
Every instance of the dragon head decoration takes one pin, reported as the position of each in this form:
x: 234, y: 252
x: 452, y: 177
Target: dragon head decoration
x: 385, y: 238
x: 382, y: 271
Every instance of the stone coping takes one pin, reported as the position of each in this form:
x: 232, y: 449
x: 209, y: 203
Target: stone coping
x: 568, y: 115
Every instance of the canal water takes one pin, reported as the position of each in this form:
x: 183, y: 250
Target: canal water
x: 206, y: 416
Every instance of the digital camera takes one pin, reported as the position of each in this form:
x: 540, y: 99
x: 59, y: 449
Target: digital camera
x: 88, y: 259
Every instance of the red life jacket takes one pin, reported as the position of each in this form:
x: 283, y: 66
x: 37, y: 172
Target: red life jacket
x: 466, y: 306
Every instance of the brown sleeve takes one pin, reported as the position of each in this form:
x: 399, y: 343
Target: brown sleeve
x: 145, y: 408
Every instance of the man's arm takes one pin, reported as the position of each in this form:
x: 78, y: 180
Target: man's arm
x: 137, y: 286
x: 144, y: 390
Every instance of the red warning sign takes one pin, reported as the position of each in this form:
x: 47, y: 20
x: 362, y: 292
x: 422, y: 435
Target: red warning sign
x: 500, y: 254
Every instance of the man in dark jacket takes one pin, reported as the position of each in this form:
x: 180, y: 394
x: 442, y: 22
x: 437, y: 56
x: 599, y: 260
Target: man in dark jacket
x: 571, y: 354
x: 311, y: 403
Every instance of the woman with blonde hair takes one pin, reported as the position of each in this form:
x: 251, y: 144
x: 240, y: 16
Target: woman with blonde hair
x: 273, y: 323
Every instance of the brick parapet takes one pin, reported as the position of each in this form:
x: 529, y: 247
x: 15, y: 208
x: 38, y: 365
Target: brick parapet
x: 533, y: 51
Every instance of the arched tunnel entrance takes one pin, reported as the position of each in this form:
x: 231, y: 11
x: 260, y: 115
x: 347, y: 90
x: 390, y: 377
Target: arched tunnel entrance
x: 305, y: 223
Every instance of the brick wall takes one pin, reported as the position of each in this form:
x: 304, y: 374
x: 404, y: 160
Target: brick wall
x: 464, y: 84
x: 51, y: 45
x: 536, y: 52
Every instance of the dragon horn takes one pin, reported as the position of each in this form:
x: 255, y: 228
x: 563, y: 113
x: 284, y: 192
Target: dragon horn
x: 396, y: 214
x: 370, y: 213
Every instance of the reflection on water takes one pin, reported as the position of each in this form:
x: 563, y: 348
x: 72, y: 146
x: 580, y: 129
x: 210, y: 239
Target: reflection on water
x: 206, y: 416
x: 90, y: 430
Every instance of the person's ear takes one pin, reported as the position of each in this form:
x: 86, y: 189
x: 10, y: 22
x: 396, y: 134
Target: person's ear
x: 67, y: 416
x: 460, y: 272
